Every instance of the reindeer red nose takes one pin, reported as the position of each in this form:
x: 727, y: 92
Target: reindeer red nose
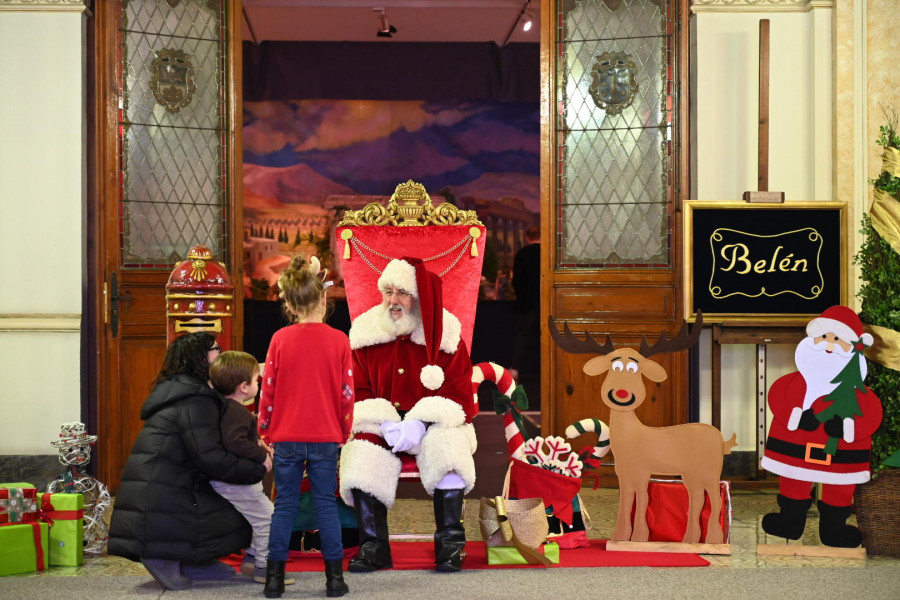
x: 622, y: 393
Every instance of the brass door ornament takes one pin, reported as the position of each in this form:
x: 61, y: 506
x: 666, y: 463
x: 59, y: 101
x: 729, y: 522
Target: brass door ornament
x: 172, y: 79
x: 613, y: 86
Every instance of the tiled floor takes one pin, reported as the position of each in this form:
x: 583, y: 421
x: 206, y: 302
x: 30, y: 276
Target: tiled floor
x: 413, y: 519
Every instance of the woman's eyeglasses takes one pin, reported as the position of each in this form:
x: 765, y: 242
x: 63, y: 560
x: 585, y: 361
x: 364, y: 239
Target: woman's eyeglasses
x: 217, y: 348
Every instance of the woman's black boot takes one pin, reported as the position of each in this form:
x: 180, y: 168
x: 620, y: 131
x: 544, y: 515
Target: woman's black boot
x: 374, y: 545
x: 790, y: 522
x: 274, y: 578
x: 334, y: 578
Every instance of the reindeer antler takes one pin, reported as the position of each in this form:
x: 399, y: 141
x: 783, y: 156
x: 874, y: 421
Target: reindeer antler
x: 683, y: 340
x: 572, y: 344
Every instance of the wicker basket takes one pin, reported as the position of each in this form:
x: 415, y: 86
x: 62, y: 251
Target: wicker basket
x: 878, y: 513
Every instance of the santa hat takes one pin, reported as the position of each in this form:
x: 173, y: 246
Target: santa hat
x: 842, y: 322
x: 410, y: 274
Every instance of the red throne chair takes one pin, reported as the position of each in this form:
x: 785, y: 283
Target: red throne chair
x: 450, y: 242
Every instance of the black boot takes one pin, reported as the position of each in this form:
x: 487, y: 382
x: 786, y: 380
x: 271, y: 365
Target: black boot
x: 833, y: 528
x: 449, y: 536
x: 374, y: 547
x: 274, y: 578
x: 334, y: 578
x: 791, y: 521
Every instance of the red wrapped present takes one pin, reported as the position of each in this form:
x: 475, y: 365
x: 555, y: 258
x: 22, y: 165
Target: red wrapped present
x: 667, y: 511
x: 18, y: 503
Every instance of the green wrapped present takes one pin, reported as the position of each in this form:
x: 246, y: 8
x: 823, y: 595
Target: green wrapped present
x: 23, y: 547
x: 508, y: 555
x: 65, y: 515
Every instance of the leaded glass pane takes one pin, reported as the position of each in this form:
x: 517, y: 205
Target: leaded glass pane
x: 614, y: 76
x: 172, y: 124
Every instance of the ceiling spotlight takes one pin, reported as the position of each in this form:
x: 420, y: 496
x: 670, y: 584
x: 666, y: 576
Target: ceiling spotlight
x: 385, y: 29
x: 526, y: 20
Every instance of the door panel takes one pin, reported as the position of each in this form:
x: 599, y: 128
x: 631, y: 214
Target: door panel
x: 614, y: 172
x: 165, y: 100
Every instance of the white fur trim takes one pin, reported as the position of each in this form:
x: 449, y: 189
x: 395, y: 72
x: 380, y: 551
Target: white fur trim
x: 849, y: 430
x: 819, y: 327
x: 802, y: 474
x: 451, y: 333
x: 399, y: 274
x: 441, y: 411
x: 794, y: 421
x: 371, y: 329
x: 446, y: 449
x: 370, y: 468
x: 432, y: 377
x: 368, y: 415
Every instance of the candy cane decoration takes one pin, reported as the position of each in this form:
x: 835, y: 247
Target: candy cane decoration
x: 488, y: 371
x: 591, y: 426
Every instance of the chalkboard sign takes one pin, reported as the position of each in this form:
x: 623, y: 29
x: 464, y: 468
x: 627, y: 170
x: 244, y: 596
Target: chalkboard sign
x: 763, y: 263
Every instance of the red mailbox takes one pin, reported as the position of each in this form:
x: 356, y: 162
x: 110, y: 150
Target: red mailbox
x: 200, y: 297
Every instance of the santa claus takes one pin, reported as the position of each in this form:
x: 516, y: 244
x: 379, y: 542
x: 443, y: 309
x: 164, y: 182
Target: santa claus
x: 413, y: 411
x: 823, y: 418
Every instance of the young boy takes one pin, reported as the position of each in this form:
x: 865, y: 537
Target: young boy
x: 234, y: 375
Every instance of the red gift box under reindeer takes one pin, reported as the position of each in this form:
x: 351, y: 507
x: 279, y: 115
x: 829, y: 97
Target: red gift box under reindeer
x: 200, y: 297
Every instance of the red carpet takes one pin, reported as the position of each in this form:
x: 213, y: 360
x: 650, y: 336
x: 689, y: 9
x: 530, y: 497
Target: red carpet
x: 420, y: 556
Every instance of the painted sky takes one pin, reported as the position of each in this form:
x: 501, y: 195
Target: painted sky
x: 371, y: 146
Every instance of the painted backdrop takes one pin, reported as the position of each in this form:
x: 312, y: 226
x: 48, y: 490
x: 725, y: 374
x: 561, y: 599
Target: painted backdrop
x: 307, y: 161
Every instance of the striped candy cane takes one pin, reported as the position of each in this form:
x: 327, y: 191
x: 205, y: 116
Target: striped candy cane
x: 591, y: 426
x: 488, y: 371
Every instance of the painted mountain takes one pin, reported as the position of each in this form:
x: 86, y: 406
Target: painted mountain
x: 302, y: 158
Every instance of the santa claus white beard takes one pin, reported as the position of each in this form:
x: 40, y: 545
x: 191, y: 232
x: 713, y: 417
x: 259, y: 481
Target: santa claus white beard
x: 819, y: 367
x: 405, y: 325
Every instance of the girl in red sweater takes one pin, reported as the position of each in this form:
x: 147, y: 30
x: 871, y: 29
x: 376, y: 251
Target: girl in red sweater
x: 305, y: 412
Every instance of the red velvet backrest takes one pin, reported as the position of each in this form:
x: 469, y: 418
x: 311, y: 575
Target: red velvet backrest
x: 448, y: 246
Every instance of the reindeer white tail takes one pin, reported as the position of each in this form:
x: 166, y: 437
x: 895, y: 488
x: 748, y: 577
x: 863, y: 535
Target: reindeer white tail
x: 591, y: 426
x: 488, y: 371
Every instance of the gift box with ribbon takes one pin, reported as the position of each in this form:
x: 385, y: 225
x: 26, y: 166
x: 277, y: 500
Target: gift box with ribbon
x: 18, y: 503
x: 65, y: 515
x: 508, y: 555
x: 667, y: 511
x: 23, y: 539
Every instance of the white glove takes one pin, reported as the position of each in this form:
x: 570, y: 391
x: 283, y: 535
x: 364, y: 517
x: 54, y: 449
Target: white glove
x: 403, y: 435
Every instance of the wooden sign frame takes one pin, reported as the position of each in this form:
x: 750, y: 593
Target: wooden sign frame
x: 769, y: 225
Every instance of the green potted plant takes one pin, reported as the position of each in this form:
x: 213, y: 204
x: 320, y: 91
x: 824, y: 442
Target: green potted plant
x: 879, y: 262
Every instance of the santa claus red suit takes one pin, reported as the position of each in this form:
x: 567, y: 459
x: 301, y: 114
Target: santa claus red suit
x: 823, y: 418
x: 413, y: 411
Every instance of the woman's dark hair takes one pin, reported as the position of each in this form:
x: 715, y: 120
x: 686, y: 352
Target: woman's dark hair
x: 188, y: 355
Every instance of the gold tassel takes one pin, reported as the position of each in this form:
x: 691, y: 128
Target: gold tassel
x: 475, y: 233
x: 346, y: 235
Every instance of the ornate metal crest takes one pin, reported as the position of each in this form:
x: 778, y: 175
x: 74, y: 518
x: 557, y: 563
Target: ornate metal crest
x: 613, y: 86
x: 172, y: 79
x: 410, y: 205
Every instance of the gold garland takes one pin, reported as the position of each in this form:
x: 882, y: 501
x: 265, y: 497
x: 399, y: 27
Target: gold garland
x: 885, y: 350
x: 885, y: 217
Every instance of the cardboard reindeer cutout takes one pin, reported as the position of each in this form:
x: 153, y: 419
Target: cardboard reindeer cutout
x: 693, y: 451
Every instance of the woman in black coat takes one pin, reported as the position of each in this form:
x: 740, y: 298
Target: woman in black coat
x: 166, y: 515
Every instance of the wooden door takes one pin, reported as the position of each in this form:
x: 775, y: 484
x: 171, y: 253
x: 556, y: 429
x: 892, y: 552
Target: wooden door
x: 614, y: 171
x: 165, y: 141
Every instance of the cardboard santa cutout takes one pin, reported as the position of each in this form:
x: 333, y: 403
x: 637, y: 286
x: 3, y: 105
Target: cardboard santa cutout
x: 823, y: 418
